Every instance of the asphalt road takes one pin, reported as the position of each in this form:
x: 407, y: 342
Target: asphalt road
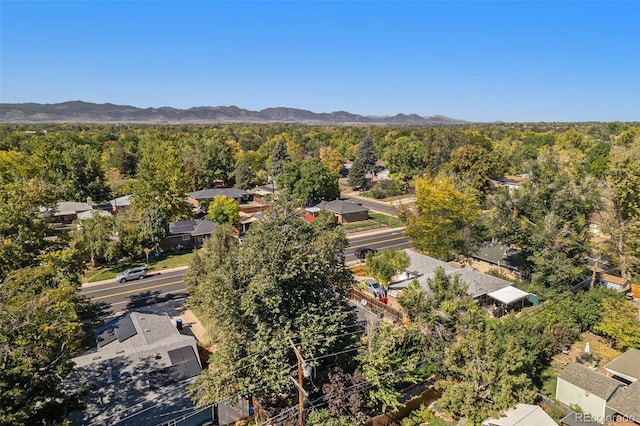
x: 113, y: 297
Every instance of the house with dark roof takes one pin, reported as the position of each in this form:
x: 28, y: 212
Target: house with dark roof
x: 246, y: 201
x: 506, y: 259
x: 588, y: 389
x: 137, y: 375
x: 344, y: 211
x: 480, y: 286
x: 197, y: 197
x: 625, y: 367
x: 187, y: 234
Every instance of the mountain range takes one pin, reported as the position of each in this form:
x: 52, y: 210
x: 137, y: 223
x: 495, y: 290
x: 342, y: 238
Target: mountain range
x: 86, y: 112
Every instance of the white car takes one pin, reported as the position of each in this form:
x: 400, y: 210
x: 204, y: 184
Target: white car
x: 136, y: 273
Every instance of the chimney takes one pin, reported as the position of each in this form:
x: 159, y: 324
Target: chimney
x: 455, y: 264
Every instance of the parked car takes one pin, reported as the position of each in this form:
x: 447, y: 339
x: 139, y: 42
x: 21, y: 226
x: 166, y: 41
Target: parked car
x: 136, y: 273
x: 375, y: 288
x: 362, y: 252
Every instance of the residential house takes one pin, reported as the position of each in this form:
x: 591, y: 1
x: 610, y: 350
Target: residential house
x: 344, y: 211
x: 626, y: 367
x: 93, y: 213
x: 197, y: 197
x: 187, y: 234
x: 588, y: 389
x: 423, y: 267
x: 613, y: 282
x: 626, y: 404
x: 65, y: 212
x: 499, y: 257
x: 138, y: 374
x: 522, y: 415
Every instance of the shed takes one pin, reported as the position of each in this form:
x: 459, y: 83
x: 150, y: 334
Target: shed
x: 613, y: 282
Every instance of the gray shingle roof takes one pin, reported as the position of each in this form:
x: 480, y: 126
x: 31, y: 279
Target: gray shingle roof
x: 425, y: 266
x: 627, y: 402
x: 341, y: 207
x: 193, y: 227
x: 206, y: 194
x: 140, y: 376
x: 590, y: 380
x: 627, y: 364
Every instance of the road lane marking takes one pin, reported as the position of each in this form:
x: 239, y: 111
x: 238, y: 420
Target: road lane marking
x: 135, y: 291
x: 371, y: 243
x: 117, y: 285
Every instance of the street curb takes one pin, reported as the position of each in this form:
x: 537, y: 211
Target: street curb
x: 374, y: 232
x: 113, y: 280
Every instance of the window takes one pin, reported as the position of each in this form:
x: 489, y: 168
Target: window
x: 186, y: 237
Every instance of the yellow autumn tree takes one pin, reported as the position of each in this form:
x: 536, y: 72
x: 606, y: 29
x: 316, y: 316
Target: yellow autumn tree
x: 443, y: 219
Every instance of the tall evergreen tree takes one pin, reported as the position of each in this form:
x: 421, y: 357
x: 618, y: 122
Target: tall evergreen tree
x: 279, y: 157
x: 364, y: 163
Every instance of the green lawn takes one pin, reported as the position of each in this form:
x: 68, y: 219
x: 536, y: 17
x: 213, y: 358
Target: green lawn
x: 391, y: 221
x: 549, y: 380
x: 165, y: 261
x: 375, y: 221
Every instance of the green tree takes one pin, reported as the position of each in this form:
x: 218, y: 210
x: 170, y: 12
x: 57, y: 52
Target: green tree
x: 331, y: 159
x: 284, y: 281
x: 393, y: 358
x: 82, y: 175
x: 474, y: 166
x: 22, y: 228
x: 620, y: 324
x: 415, y: 303
x: 405, y: 158
x: 549, y: 218
x: 279, y: 157
x: 364, y: 163
x: 224, y: 210
x: 485, y: 376
x: 621, y: 215
x: 387, y: 263
x: 154, y: 226
x: 309, y: 181
x: 94, y: 238
x: 208, y: 162
x: 40, y: 329
x: 443, y: 219
x: 162, y: 181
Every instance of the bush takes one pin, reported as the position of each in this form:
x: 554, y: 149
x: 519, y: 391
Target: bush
x: 387, y: 188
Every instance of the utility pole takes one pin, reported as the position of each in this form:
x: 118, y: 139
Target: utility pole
x: 301, y: 391
x: 593, y: 276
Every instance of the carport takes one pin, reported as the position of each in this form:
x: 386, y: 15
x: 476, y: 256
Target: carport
x: 509, y: 296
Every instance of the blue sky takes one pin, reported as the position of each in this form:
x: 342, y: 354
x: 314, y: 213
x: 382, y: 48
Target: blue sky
x: 479, y: 61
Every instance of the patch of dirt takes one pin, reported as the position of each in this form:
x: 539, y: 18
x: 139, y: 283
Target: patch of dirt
x: 601, y: 353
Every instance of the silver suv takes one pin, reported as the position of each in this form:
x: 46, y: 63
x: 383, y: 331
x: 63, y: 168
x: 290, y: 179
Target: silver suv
x: 136, y: 273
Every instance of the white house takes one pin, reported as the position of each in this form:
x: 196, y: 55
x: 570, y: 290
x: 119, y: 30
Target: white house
x: 588, y: 389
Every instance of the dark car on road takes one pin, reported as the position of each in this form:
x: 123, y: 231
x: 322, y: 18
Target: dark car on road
x: 362, y: 252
